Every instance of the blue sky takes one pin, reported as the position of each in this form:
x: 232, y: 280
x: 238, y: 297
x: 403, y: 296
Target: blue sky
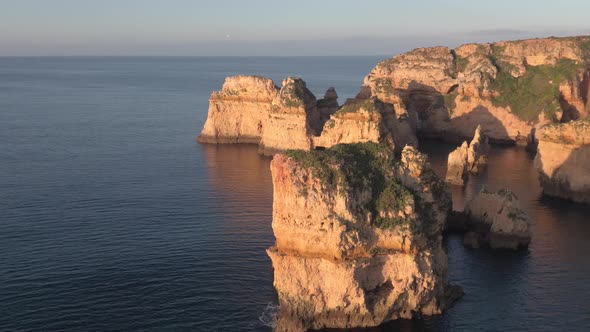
x: 280, y: 27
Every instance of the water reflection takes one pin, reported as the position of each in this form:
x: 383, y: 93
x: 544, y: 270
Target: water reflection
x: 543, y: 288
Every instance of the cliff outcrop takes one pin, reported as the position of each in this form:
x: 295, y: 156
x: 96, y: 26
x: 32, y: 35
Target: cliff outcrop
x: 507, y: 87
x: 472, y: 157
x: 358, y: 237
x: 497, y: 220
x: 365, y: 120
x: 293, y: 119
x: 328, y: 105
x: 238, y: 112
x: 251, y: 109
x: 563, y: 160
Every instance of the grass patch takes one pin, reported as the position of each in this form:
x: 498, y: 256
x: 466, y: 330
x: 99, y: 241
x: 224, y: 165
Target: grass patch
x: 535, y: 92
x: 356, y: 169
x: 384, y: 85
x: 355, y: 106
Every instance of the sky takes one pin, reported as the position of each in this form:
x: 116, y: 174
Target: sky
x: 279, y: 27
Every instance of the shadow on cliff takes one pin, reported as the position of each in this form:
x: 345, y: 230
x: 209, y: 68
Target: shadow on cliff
x: 434, y: 110
x: 570, y: 112
x: 489, y: 123
x: 577, y: 168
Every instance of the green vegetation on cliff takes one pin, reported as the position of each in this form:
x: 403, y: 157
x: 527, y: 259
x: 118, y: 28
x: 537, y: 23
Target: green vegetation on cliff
x: 535, y: 92
x: 355, y: 105
x: 358, y: 169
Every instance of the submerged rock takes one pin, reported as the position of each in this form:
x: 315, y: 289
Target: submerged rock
x: 358, y: 237
x: 497, y: 220
x: 563, y: 160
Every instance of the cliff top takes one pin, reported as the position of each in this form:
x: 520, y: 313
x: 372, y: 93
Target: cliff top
x: 524, y: 75
x: 361, y: 170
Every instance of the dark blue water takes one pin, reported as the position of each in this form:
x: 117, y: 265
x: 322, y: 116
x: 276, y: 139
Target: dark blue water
x: 113, y: 218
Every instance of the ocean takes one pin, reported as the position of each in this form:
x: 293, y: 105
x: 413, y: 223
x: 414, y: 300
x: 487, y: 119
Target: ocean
x: 113, y: 218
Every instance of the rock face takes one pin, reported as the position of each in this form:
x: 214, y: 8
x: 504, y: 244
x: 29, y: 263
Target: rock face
x: 239, y: 111
x: 251, y: 109
x: 358, y: 238
x: 477, y: 155
x: 364, y: 120
x: 328, y: 105
x: 509, y: 88
x: 471, y: 157
x: 496, y: 219
x: 292, y: 120
x: 457, y: 165
x: 563, y: 160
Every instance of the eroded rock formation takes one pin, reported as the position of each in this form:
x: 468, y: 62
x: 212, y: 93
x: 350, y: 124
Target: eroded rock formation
x: 457, y: 165
x: 471, y: 157
x: 563, y: 160
x: 328, y: 105
x: 239, y: 111
x: 497, y: 220
x: 477, y: 155
x: 509, y: 88
x: 365, y: 120
x: 358, y: 237
x: 293, y: 119
x: 251, y: 109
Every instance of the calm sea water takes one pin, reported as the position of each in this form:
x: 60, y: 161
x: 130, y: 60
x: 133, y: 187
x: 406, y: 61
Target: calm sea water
x: 113, y: 218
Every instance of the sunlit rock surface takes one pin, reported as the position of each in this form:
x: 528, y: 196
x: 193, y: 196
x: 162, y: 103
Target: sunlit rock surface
x: 358, y: 237
x: 509, y: 88
x: 496, y: 219
x: 293, y: 119
x: 238, y: 113
x: 365, y: 120
x: 472, y: 157
x: 563, y: 160
x: 251, y: 109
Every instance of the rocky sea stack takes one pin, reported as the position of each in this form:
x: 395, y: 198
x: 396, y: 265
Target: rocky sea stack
x: 358, y: 237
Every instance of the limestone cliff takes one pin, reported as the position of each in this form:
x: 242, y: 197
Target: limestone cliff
x: 358, y: 237
x: 239, y: 111
x: 251, y: 109
x: 507, y: 87
x: 365, y: 120
x: 292, y: 120
x: 563, y: 160
x: 472, y: 157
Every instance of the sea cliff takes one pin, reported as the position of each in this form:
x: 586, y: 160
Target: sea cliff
x: 358, y: 237
x: 251, y: 109
x: 509, y: 88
